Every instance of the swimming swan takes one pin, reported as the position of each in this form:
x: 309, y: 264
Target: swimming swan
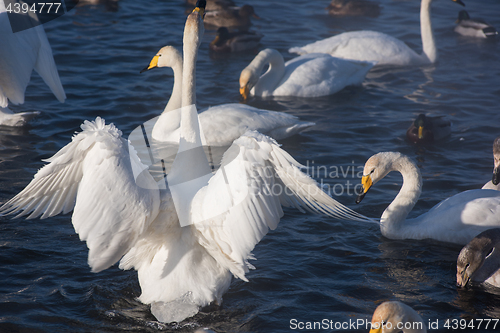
x: 221, y: 124
x: 479, y: 260
x: 236, y: 41
x: 310, y: 75
x: 186, y: 239
x: 20, y: 53
x: 376, y: 46
x: 389, y: 316
x: 494, y: 183
x: 457, y: 219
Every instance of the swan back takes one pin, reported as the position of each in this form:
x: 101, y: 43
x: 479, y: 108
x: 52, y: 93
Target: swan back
x: 390, y: 315
x: 479, y: 260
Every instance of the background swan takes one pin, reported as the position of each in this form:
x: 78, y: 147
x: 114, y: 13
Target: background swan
x: 389, y: 315
x: 379, y: 47
x: 310, y: 75
x: 473, y: 27
x: 426, y: 129
x: 231, y: 17
x: 479, y: 260
x: 127, y: 215
x: 494, y: 183
x: 20, y: 53
x: 221, y: 124
x: 457, y: 219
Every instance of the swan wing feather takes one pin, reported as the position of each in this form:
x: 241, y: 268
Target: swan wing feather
x: 244, y: 199
x: 92, y: 175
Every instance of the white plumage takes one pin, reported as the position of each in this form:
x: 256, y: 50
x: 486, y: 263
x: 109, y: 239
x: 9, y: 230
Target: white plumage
x: 457, y: 219
x: 310, y: 75
x: 184, y: 261
x: 20, y: 53
x: 376, y: 46
x: 221, y: 124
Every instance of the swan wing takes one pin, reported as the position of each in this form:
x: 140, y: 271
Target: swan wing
x: 363, y: 46
x: 244, y: 199
x: 46, y: 67
x: 93, y: 176
x: 461, y: 217
x: 222, y: 124
x: 21, y: 52
x: 319, y: 74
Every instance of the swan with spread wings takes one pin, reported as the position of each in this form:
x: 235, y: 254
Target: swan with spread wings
x: 187, y: 239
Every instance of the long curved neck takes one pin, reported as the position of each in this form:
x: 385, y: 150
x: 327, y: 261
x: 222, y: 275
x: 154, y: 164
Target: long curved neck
x: 394, y: 216
x: 190, y: 130
x: 428, y: 44
x: 175, y: 101
x: 272, y: 77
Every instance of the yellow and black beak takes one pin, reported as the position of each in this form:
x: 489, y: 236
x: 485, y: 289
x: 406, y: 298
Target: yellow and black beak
x: 244, y: 91
x: 215, y: 41
x: 200, y: 7
x: 459, y: 2
x: 462, y: 279
x: 376, y: 330
x: 152, y: 64
x: 366, y: 181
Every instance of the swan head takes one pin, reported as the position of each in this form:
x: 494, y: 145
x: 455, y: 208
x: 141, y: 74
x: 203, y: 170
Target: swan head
x: 168, y: 56
x: 248, y: 79
x: 395, y: 316
x: 496, y: 161
x: 376, y: 168
x: 474, y: 256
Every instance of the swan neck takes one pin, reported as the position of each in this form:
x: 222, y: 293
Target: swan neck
x: 190, y: 133
x: 271, y: 78
x: 428, y: 43
x: 394, y: 215
x: 175, y: 101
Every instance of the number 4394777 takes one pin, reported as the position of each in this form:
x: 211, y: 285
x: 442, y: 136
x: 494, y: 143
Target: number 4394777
x: 462, y: 324
x: 37, y: 8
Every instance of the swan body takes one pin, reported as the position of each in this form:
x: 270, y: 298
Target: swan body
x: 479, y: 260
x: 457, y: 219
x: 426, y: 129
x: 20, y: 53
x: 473, y: 27
x: 379, y: 47
x: 353, y: 8
x: 310, y: 75
x: 394, y: 316
x: 185, y: 238
x: 237, y: 41
x: 221, y: 124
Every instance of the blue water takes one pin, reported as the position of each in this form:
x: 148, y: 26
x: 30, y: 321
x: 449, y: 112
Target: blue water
x: 310, y: 268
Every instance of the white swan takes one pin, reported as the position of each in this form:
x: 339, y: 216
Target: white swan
x: 394, y: 316
x: 457, y: 219
x: 186, y: 240
x: 311, y: 75
x: 479, y: 260
x: 494, y: 183
x: 221, y: 124
x: 20, y: 53
x: 379, y: 47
